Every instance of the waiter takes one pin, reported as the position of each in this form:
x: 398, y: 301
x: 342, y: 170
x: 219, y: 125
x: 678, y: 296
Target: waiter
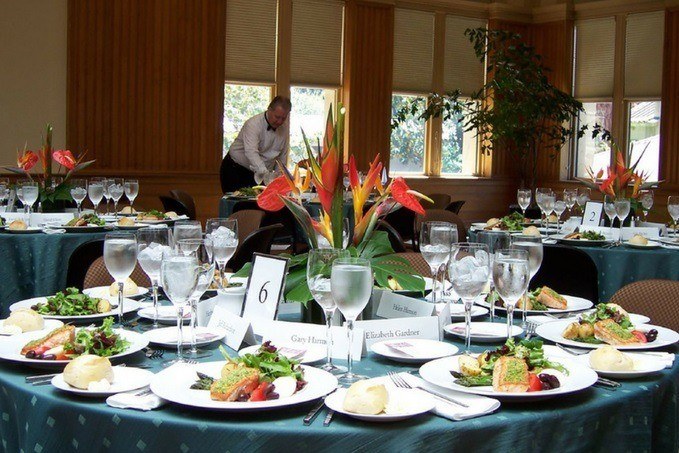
x: 262, y: 141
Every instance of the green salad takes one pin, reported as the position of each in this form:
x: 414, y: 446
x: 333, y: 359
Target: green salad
x: 592, y: 236
x: 101, y: 341
x: 87, y: 219
x: 72, y: 303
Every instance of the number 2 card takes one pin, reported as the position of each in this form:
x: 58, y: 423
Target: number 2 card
x: 592, y: 214
x: 265, y: 286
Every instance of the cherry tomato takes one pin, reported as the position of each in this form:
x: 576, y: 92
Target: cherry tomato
x: 534, y: 383
x: 640, y: 336
x: 259, y: 394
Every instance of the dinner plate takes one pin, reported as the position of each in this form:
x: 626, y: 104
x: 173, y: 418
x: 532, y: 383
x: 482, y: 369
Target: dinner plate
x: 418, y: 350
x: 458, y: 314
x: 167, y: 336
x: 125, y: 379
x: 312, y: 354
x: 581, y: 242
x: 483, y: 332
x: 136, y: 226
x: 29, y: 230
x: 650, y: 245
x: 574, y: 304
x: 129, y: 305
x: 173, y: 384
x: 482, y: 226
x: 669, y: 241
x: 552, y: 331
x: 11, y: 348
x: 102, y: 292
x: 83, y: 229
x: 50, y: 324
x: 413, y: 402
x: 166, y: 314
x: 579, y: 377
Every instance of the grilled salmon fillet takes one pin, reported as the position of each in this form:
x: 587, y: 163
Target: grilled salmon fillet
x: 510, y: 375
x: 550, y: 298
x: 610, y: 332
x: 57, y: 337
x: 235, y: 382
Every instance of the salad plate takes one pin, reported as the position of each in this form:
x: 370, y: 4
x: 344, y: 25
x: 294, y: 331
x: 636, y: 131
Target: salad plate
x: 174, y: 384
x: 103, y: 291
x: 413, y: 350
x: 553, y: 331
x: 167, y: 336
x: 313, y: 354
x: 125, y: 379
x: 483, y: 332
x: 581, y: 242
x: 650, y: 245
x: 129, y: 306
x: 408, y: 403
x: 575, y: 304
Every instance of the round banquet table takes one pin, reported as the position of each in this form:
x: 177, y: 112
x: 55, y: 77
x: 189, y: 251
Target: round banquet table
x: 642, y: 415
x: 35, y: 264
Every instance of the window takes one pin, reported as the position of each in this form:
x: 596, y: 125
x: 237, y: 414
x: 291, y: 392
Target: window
x: 458, y: 149
x: 644, y: 137
x: 309, y: 111
x: 240, y: 103
x: 407, y: 141
x: 593, y: 153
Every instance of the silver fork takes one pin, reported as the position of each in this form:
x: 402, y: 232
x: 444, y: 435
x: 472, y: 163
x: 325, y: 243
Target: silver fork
x: 401, y: 383
x: 570, y: 351
x: 530, y: 329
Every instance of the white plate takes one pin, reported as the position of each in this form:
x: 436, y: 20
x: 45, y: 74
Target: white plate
x: 83, y: 229
x: 129, y: 305
x: 136, y: 226
x: 50, y: 324
x: 580, y: 377
x: 650, y: 245
x: 102, y: 292
x: 173, y: 384
x: 11, y: 349
x: 166, y: 314
x: 552, y: 331
x: 29, y: 230
x: 484, y: 332
x: 574, y: 304
x: 580, y: 242
x: 314, y: 354
x: 167, y: 336
x: 125, y: 379
x: 458, y: 314
x: 415, y: 401
x: 423, y: 350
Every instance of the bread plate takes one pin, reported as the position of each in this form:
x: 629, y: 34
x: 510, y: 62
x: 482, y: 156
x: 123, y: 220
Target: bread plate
x: 129, y: 305
x: 413, y: 402
x: 650, y: 245
x: 125, y: 379
x: 29, y: 230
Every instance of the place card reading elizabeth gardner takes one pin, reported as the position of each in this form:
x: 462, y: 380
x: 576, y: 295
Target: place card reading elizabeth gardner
x: 392, y: 306
x: 265, y: 287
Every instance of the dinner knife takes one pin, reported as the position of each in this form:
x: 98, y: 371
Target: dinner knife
x: 328, y: 418
x: 313, y: 413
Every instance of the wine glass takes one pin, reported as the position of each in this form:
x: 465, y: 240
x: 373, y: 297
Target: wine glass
x: 583, y: 196
x: 559, y: 208
x: 20, y: 194
x: 179, y: 276
x: 224, y: 236
x: 351, y: 283
x: 646, y: 198
x: 323, y: 242
x: 569, y: 196
x: 443, y: 271
x: 548, y: 202
x: 187, y: 229
x: 609, y: 210
x: 494, y: 240
x: 107, y: 196
x: 95, y: 190
x: 523, y: 196
x: 201, y: 249
x: 120, y: 258
x: 622, y: 207
x: 468, y: 269
x: 4, y: 191
x: 78, y: 192
x: 533, y: 246
x: 435, y: 242
x: 131, y: 190
x: 539, y: 194
x: 116, y: 188
x: 30, y: 191
x: 673, y: 210
x: 152, y: 242
x: 511, y: 276
x: 319, y: 265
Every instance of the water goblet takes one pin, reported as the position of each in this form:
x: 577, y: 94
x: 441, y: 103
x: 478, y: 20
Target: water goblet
x: 569, y: 196
x: 523, y: 196
x: 223, y: 234
x: 20, y: 194
x: 673, y: 210
x: 116, y: 188
x: 107, y: 196
x: 511, y: 276
x: 622, y: 208
x: 30, y: 191
x: 152, y: 242
x: 539, y: 194
x: 435, y: 242
x: 187, y: 229
x: 95, y: 190
x: 323, y: 242
x: 583, y: 196
x: 609, y: 210
x: 548, y: 202
x: 4, y: 192
x: 646, y: 198
x: 120, y: 258
x: 494, y: 240
x: 78, y: 192
x: 559, y: 208
x: 131, y: 190
x: 533, y: 246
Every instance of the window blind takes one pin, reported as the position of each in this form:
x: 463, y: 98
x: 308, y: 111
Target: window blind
x: 317, y: 42
x: 644, y: 54
x: 463, y: 71
x: 594, y: 58
x: 251, y: 40
x: 413, y: 50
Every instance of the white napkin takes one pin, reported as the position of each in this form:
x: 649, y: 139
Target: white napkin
x: 133, y: 400
x: 665, y: 357
x: 54, y: 231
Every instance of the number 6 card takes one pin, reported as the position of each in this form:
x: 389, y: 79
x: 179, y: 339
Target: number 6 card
x: 265, y: 286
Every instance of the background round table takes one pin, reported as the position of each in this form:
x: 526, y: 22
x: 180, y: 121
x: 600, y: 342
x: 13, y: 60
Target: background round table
x: 642, y: 415
x: 35, y: 264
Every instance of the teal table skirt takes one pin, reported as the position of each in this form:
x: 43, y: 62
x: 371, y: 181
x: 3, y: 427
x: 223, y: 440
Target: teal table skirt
x: 34, y: 265
x: 642, y: 415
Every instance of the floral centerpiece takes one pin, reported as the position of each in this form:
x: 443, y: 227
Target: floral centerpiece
x: 325, y: 172
x: 53, y: 185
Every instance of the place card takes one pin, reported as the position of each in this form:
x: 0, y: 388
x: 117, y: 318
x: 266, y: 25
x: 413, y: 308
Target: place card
x: 592, y: 214
x: 265, y: 286
x: 393, y: 305
x: 377, y: 330
x: 660, y: 226
x: 647, y: 232
x: 236, y: 327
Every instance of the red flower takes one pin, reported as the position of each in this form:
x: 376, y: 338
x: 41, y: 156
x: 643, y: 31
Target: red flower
x: 271, y: 198
x: 65, y: 158
x: 406, y: 197
x: 27, y: 160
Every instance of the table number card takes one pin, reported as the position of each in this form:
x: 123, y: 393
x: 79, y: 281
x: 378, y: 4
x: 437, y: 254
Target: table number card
x: 265, y: 286
x: 236, y: 327
x: 592, y: 214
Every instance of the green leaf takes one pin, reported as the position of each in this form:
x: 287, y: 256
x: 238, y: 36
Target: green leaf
x: 244, y: 271
x: 398, y: 268
x: 378, y: 244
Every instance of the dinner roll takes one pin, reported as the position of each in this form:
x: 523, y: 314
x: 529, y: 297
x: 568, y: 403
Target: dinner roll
x: 607, y: 358
x: 126, y: 221
x: 171, y: 214
x: 367, y: 397
x: 492, y: 221
x: 26, y: 319
x: 532, y: 231
x: 128, y: 210
x: 130, y: 288
x: 638, y: 239
x: 18, y: 224
x: 87, y: 368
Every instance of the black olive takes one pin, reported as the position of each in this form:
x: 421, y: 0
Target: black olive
x: 49, y: 357
x: 651, y: 335
x: 549, y: 381
x: 39, y: 356
x: 30, y: 355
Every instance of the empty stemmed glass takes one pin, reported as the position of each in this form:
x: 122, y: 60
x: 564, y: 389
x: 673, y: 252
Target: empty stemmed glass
x: 511, y: 276
x: 540, y: 193
x: 187, y: 229
x: 107, y: 196
x: 116, y: 189
x: 494, y: 240
x: 548, y: 201
x: 523, y: 196
x: 646, y: 198
x: 559, y: 208
x: 609, y: 210
x: 351, y: 282
x: 152, y: 242
x: 78, y: 192
x: 30, y: 191
x: 319, y: 266
x: 468, y: 269
x: 435, y: 242
x: 20, y: 194
x: 673, y: 210
x: 622, y: 208
x: 224, y: 236
x: 120, y: 258
x: 131, y: 190
x: 570, y: 196
x: 179, y: 276
x: 4, y: 192
x: 583, y: 196
x: 95, y: 190
x: 533, y: 246
x: 201, y: 249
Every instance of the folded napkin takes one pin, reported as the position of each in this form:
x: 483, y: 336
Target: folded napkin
x: 138, y: 399
x: 665, y: 357
x: 54, y: 231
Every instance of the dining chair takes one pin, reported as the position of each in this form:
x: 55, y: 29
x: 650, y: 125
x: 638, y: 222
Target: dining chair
x: 441, y: 200
x: 170, y: 204
x: 568, y: 270
x: 403, y: 221
x: 97, y: 275
x: 249, y: 220
x: 259, y: 241
x: 440, y: 215
x: 417, y: 262
x: 284, y: 217
x: 656, y: 299
x: 455, y: 206
x: 187, y: 200
x: 394, y: 238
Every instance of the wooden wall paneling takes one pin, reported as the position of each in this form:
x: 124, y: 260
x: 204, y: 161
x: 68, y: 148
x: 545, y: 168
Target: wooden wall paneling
x: 669, y: 126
